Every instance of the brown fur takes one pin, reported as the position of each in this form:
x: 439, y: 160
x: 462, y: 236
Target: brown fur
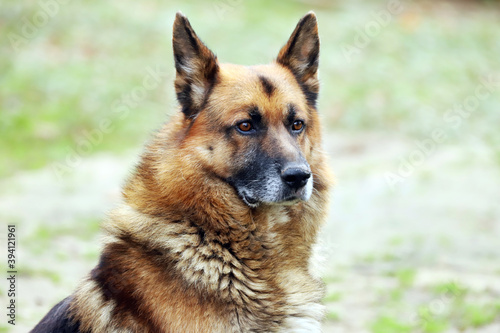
x: 184, y: 253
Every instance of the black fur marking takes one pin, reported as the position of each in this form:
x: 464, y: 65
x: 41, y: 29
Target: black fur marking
x: 256, y: 116
x: 212, y: 79
x: 184, y: 98
x: 269, y: 88
x: 179, y: 62
x: 291, y: 114
x: 310, y: 96
x: 117, y: 280
x: 313, y: 59
x: 58, y: 320
x: 296, y: 36
x: 190, y: 34
x: 256, y: 119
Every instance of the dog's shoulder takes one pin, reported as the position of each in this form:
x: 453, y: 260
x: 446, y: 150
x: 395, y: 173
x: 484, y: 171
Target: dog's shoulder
x: 59, y: 320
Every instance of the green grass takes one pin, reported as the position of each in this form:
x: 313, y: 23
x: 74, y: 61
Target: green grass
x: 54, y: 276
x: 333, y: 297
x: 396, y: 241
x: 385, y: 324
x: 396, y: 295
x: 456, y: 310
x: 332, y: 316
x: 447, y: 307
x: 406, y: 277
x: 435, y: 325
x: 450, y: 289
x: 430, y: 321
x: 368, y: 258
x: 478, y: 315
x: 40, y: 239
x: 335, y: 279
x: 389, y: 257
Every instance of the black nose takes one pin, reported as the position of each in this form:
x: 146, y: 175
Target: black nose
x: 295, y: 178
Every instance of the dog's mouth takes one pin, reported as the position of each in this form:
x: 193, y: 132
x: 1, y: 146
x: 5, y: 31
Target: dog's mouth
x: 288, y: 200
x: 249, y: 201
x: 273, y: 193
x: 292, y: 199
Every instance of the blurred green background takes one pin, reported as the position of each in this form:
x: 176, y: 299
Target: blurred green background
x: 410, y: 102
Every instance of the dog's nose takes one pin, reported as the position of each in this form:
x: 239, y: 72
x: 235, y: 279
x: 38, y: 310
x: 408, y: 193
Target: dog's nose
x: 296, y: 178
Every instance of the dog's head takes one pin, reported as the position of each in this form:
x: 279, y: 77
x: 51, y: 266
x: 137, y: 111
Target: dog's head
x: 256, y: 128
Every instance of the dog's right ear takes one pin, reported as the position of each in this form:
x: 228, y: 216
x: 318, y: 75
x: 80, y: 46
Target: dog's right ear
x: 196, y: 67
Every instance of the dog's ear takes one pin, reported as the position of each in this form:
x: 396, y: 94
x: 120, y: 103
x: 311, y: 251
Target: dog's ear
x: 301, y: 56
x: 196, y: 67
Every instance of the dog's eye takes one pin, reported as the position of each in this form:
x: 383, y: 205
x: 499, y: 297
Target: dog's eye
x: 298, y: 125
x: 245, y: 126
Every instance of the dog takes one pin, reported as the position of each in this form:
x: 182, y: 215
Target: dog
x: 219, y: 220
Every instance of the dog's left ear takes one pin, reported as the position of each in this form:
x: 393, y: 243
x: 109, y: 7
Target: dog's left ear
x: 196, y: 67
x: 301, y: 56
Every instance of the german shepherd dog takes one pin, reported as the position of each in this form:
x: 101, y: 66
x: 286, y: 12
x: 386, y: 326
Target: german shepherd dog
x: 221, y: 215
